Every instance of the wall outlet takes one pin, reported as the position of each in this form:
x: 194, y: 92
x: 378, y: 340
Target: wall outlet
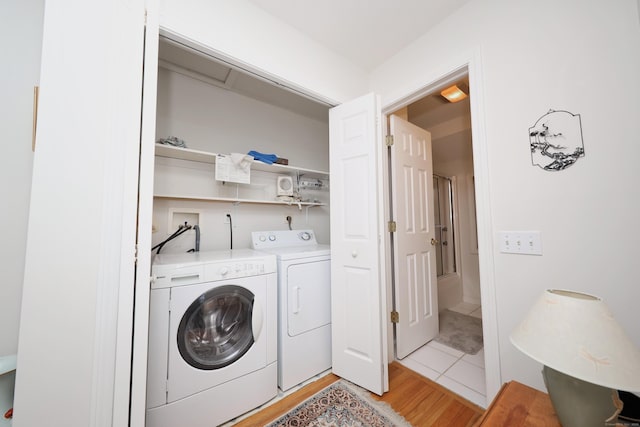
x: 520, y: 242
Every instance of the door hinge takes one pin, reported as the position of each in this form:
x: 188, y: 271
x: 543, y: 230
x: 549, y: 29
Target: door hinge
x: 395, y: 317
x: 392, y: 226
x: 389, y: 140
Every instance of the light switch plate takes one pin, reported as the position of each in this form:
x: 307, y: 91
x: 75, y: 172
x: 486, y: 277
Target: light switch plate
x: 520, y: 242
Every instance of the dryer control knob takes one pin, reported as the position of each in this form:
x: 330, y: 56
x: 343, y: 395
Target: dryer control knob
x: 262, y: 238
x: 305, y: 236
x: 272, y: 237
x: 224, y: 271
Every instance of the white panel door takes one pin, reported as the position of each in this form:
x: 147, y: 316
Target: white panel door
x: 414, y: 254
x: 359, y: 332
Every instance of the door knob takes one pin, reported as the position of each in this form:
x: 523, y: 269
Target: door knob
x: 434, y: 242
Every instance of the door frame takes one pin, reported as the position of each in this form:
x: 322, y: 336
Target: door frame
x: 471, y: 67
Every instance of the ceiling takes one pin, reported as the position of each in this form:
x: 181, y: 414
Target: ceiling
x: 366, y: 32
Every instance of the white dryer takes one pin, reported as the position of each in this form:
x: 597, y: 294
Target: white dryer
x: 212, y: 337
x: 304, y: 303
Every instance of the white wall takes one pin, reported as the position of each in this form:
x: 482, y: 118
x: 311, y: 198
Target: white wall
x: 215, y: 120
x: 246, y: 218
x: 21, y: 44
x: 537, y: 55
x: 212, y: 119
x: 250, y: 37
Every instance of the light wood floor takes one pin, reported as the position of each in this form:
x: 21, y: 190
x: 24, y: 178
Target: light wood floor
x: 419, y: 400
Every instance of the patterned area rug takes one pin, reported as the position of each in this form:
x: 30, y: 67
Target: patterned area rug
x: 460, y: 331
x: 342, y: 404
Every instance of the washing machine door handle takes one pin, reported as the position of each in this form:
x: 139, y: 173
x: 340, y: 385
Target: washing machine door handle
x: 256, y: 320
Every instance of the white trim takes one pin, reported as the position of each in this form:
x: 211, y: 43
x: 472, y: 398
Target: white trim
x: 471, y: 214
x: 473, y: 66
x: 145, y: 213
x: 485, y: 229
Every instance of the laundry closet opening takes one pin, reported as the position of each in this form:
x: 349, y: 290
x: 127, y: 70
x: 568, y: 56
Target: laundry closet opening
x: 455, y: 243
x: 235, y: 154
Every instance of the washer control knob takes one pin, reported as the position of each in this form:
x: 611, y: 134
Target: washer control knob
x: 262, y: 238
x: 272, y: 237
x: 224, y: 271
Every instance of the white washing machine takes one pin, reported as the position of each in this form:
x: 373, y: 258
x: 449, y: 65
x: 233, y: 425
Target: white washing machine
x: 212, y: 337
x: 304, y: 303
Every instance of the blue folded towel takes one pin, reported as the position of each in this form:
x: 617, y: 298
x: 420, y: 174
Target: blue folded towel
x: 265, y: 158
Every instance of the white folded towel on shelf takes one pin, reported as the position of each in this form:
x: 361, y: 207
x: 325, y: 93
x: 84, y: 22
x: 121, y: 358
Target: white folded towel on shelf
x: 242, y: 161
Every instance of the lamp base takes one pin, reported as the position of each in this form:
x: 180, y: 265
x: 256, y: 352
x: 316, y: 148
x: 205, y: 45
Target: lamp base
x: 579, y: 403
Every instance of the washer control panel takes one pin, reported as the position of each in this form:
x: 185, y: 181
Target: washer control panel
x: 233, y: 270
x: 173, y: 270
x: 282, y: 238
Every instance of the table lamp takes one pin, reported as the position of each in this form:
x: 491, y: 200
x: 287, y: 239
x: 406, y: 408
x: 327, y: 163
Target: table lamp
x: 587, y: 357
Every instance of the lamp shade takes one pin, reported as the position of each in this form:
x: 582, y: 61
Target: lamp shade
x: 576, y: 334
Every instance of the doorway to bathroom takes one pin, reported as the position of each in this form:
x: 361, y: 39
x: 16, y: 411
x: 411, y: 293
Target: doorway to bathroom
x: 456, y: 365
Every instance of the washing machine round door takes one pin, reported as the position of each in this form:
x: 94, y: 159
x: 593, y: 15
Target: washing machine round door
x: 216, y: 329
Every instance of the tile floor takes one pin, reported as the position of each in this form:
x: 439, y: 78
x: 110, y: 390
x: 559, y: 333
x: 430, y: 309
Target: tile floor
x: 459, y: 372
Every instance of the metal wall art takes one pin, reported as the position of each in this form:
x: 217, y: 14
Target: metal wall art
x: 556, y: 140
